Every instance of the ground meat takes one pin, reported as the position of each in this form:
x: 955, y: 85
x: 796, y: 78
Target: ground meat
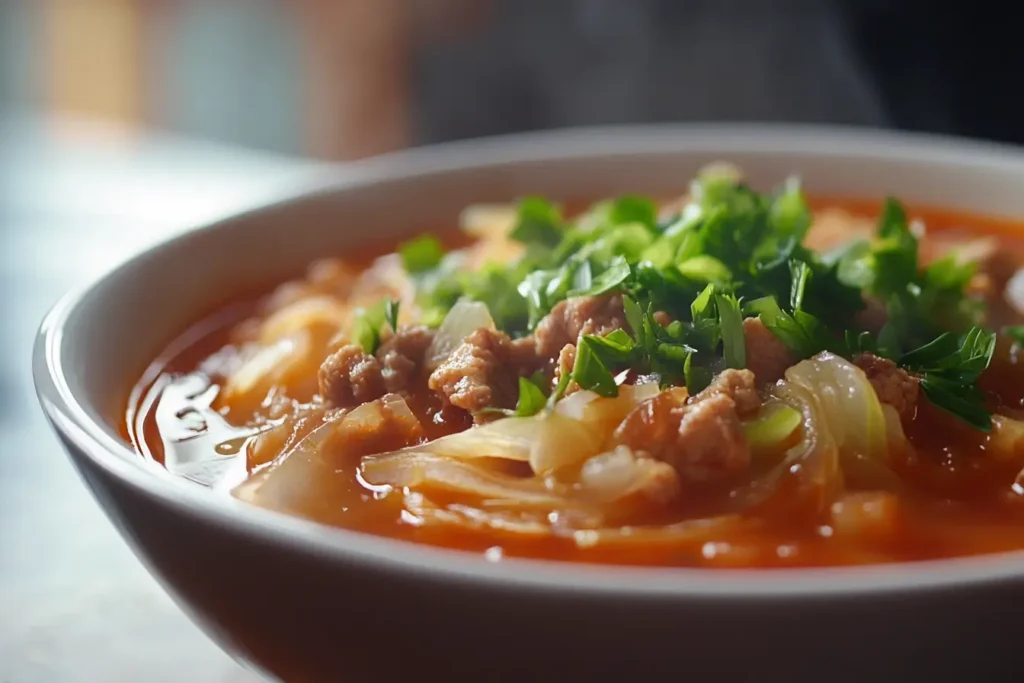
x: 566, y: 359
x: 349, y: 376
x: 738, y: 385
x: 574, y: 317
x: 653, y: 425
x: 401, y: 355
x: 701, y: 439
x: 710, y: 441
x: 893, y: 384
x: 767, y: 357
x: 484, y: 371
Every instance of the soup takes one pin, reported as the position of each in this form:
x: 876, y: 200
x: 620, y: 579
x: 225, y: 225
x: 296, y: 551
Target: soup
x: 727, y: 379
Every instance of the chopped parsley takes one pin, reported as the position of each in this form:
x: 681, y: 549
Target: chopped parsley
x: 539, y: 222
x: 531, y: 397
x: 589, y: 372
x: 391, y: 313
x: 367, y: 324
x: 421, y: 254
x: 730, y: 322
x: 949, y: 367
x: 690, y: 279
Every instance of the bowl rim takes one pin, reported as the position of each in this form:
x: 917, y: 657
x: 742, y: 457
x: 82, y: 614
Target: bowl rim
x: 119, y: 461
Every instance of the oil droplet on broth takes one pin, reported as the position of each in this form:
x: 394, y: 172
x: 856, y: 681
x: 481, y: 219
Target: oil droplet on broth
x: 198, y: 443
x: 232, y: 446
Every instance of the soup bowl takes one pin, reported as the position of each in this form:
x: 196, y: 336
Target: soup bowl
x: 305, y: 602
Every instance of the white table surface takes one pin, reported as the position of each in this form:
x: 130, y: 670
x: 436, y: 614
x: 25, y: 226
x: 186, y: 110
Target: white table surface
x: 75, y: 604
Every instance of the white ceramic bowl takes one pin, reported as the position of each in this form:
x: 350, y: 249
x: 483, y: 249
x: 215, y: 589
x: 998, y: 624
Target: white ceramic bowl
x: 310, y: 603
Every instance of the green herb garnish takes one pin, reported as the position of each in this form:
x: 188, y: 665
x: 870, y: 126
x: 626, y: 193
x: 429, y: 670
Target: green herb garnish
x: 949, y: 367
x: 730, y: 321
x: 421, y: 254
x: 590, y: 373
x: 730, y: 254
x: 539, y: 221
x: 391, y: 313
x: 531, y: 398
x: 367, y: 324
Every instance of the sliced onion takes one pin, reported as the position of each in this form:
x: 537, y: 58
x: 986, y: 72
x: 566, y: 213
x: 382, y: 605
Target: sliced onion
x: 619, y: 474
x: 645, y: 391
x: 576, y: 430
x: 868, y: 472
x: 367, y: 417
x: 261, y: 365
x: 510, y: 438
x: 848, y: 403
x: 809, y: 478
x: 588, y: 406
x: 616, y: 409
x: 462, y: 320
x: 428, y: 514
x: 893, y: 427
x: 306, y: 479
x: 322, y: 315
x: 427, y: 470
x: 815, y: 461
x: 398, y: 409
x: 562, y: 441
x: 271, y: 443
x: 298, y: 479
x: 610, y: 475
x: 574, y: 405
x: 290, y: 364
x: 772, y: 428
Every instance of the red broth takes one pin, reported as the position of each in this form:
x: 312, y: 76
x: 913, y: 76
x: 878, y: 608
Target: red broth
x: 957, y: 499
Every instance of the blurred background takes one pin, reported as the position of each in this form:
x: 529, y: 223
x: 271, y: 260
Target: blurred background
x: 342, y: 79
x: 122, y: 121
